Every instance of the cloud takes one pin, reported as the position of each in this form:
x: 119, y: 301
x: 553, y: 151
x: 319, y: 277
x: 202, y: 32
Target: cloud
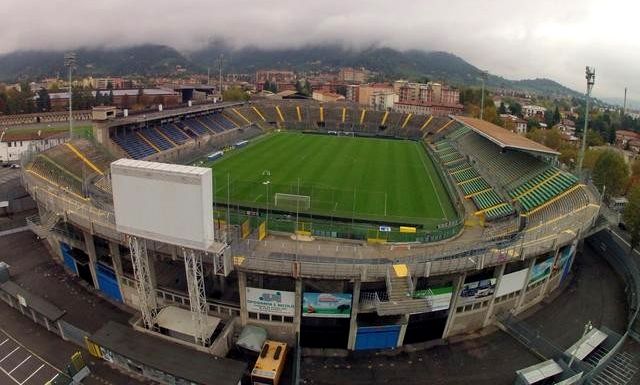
x: 554, y: 39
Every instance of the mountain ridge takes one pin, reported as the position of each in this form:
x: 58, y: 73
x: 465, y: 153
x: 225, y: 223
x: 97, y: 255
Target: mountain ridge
x: 154, y: 59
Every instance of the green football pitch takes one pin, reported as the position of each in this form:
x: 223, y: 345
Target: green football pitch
x: 337, y: 176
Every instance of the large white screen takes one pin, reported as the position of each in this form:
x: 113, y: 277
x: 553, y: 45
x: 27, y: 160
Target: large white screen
x: 164, y: 202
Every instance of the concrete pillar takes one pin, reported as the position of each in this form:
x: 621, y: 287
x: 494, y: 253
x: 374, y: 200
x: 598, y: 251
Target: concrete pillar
x: 454, y: 303
x: 499, y: 275
x: 116, y: 260
x: 93, y: 259
x: 298, y: 317
x: 403, y: 329
x: 353, y: 321
x: 242, y: 289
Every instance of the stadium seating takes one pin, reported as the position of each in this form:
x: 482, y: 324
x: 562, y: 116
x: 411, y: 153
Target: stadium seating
x: 507, y: 166
x: 156, y: 138
x: 196, y: 126
x: 46, y: 168
x: 472, y: 185
x: 174, y: 133
x: 134, y: 145
x: 211, y: 123
x: 223, y: 121
x: 542, y: 188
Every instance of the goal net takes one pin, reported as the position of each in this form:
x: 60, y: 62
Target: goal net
x: 292, y: 201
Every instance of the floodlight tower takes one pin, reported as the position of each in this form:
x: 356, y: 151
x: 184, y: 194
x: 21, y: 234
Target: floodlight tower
x: 483, y: 77
x: 590, y: 75
x: 70, y: 63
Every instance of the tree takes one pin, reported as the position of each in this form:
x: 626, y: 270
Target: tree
x: 235, y: 94
x: 536, y: 135
x: 556, y: 116
x: 568, y: 154
x: 99, y: 100
x: 43, y: 102
x: 502, y: 109
x: 590, y: 158
x: 611, y: 173
x: 110, y: 98
x: 516, y: 109
x: 631, y: 217
x: 594, y: 139
x: 553, y: 139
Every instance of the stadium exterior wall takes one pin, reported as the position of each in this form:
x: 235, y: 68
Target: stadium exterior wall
x: 464, y: 315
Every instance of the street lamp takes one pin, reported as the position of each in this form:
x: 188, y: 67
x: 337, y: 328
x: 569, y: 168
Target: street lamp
x: 587, y: 328
x: 266, y: 184
x: 70, y: 63
x: 483, y: 76
x: 590, y: 75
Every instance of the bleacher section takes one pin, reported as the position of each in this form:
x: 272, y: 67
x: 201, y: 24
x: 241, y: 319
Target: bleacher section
x: 152, y: 135
x: 134, y: 145
x: 529, y: 181
x: 173, y: 133
x: 151, y: 140
x: 69, y: 164
x: 472, y: 185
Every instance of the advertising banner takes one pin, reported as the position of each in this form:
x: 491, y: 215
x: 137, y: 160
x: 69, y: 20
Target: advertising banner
x: 327, y: 305
x: 271, y: 301
x: 541, y: 270
x: 475, y: 290
x: 439, y: 297
x: 512, y: 282
x: 564, y: 260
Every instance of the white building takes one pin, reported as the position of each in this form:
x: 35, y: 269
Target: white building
x: 382, y: 100
x: 514, y: 123
x: 12, y: 145
x: 531, y: 110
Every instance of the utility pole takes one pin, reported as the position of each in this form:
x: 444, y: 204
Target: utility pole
x: 70, y: 63
x: 590, y: 75
x: 220, y: 61
x: 483, y: 77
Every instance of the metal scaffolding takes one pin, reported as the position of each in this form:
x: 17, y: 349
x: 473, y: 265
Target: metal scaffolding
x: 144, y: 285
x: 197, y: 296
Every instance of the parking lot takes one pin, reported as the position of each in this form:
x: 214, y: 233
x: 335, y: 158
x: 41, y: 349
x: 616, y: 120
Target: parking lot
x: 18, y: 365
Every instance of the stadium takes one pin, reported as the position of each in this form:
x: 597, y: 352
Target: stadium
x: 328, y: 225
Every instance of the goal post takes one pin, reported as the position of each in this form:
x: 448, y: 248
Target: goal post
x: 292, y: 201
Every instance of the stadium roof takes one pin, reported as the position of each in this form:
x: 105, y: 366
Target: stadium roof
x: 502, y: 137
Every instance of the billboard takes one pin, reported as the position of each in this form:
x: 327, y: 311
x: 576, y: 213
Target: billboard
x: 564, y: 260
x: 164, y: 202
x: 512, y: 282
x: 439, y: 297
x: 275, y: 302
x: 541, y: 270
x: 475, y: 290
x: 327, y: 305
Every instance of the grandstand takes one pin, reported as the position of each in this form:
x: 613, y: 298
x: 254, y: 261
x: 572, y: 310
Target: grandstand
x: 412, y: 220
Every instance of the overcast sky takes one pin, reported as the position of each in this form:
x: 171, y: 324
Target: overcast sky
x: 514, y: 39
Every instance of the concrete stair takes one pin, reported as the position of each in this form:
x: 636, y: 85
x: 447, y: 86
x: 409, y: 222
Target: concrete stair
x: 400, y: 294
